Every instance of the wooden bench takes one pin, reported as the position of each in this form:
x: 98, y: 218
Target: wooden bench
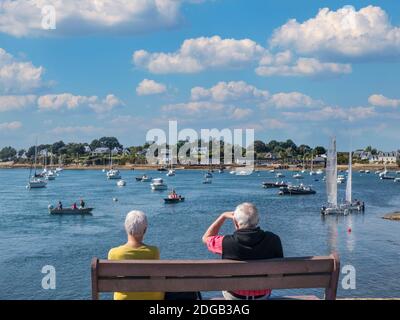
x: 215, y: 275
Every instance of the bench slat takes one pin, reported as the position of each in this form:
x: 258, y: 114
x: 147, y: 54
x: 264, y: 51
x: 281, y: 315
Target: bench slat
x: 173, y: 268
x: 213, y: 284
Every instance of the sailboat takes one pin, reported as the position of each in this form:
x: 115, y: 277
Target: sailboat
x: 34, y: 181
x: 331, y: 186
x: 113, y: 174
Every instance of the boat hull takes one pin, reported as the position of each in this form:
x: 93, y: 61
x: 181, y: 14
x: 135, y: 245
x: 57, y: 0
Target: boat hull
x: 167, y: 200
x: 70, y: 211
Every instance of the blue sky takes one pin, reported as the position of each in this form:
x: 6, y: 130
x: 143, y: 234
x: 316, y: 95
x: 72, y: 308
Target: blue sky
x: 210, y: 63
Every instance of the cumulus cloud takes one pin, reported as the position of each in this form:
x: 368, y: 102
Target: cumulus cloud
x: 23, y: 18
x: 18, y: 76
x: 5, y: 126
x: 150, y: 87
x: 345, y: 33
x: 303, y: 67
x: 379, y: 100
x: 10, y: 103
x: 292, y: 100
x: 196, y: 55
x: 332, y: 113
x: 70, y: 102
x: 229, y: 91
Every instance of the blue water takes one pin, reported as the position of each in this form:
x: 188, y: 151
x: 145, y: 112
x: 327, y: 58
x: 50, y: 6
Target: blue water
x: 30, y: 238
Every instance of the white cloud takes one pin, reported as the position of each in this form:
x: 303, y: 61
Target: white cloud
x: 332, y: 113
x: 292, y: 100
x: 5, y: 126
x: 379, y: 100
x: 194, y: 108
x: 150, y: 87
x: 300, y: 67
x: 10, y: 103
x: 345, y: 33
x: 241, y: 113
x: 196, y: 55
x: 23, y: 18
x: 229, y: 91
x: 18, y: 76
x: 70, y: 101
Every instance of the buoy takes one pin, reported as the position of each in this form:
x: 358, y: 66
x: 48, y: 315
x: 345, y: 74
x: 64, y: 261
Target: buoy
x: 349, y: 230
x: 115, y: 199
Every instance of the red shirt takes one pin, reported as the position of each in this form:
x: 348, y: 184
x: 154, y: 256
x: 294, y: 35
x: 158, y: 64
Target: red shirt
x: 214, y: 245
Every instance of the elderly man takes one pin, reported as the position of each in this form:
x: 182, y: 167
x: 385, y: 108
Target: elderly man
x: 248, y: 242
x: 134, y: 248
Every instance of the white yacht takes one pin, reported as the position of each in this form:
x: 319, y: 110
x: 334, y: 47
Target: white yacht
x: 35, y: 182
x: 341, y: 179
x: 113, y: 174
x: 158, y: 184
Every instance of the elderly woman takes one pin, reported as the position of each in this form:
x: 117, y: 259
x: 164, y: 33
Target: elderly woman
x: 248, y: 242
x: 134, y: 248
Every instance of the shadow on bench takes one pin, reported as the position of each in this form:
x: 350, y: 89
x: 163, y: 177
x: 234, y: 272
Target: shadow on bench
x: 216, y: 275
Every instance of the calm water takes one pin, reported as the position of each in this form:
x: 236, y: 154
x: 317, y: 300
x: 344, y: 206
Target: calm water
x: 30, y: 238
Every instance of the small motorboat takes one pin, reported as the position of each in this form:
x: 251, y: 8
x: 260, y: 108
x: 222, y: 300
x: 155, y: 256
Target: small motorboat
x: 208, y: 175
x: 207, y: 181
x: 298, y: 176
x: 280, y: 175
x: 232, y: 172
x: 319, y: 172
x: 158, y: 184
x: 397, y: 180
x: 367, y: 171
x: 143, y: 178
x: 341, y: 179
x: 121, y: 183
x: 70, y: 211
x: 50, y: 175
x: 162, y: 169
x: 385, y: 177
x: 272, y: 171
x: 296, y: 190
x: 361, y: 171
x: 274, y: 185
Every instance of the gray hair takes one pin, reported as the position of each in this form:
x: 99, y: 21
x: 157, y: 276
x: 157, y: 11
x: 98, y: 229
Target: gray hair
x: 136, y: 223
x: 246, y: 215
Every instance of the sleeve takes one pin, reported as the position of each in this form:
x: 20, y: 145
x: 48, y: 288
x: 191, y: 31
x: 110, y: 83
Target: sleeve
x: 214, y: 244
x: 111, y: 255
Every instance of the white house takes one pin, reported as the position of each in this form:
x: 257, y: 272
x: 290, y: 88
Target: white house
x: 389, y: 157
x: 100, y: 151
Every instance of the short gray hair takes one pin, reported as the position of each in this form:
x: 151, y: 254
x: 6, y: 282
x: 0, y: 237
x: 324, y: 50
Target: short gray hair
x: 246, y: 215
x: 136, y: 223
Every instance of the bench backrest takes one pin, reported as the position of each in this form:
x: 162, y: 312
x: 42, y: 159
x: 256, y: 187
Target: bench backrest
x: 214, y: 275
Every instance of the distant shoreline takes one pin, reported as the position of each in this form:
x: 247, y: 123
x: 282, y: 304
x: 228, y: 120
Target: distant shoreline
x: 372, y: 167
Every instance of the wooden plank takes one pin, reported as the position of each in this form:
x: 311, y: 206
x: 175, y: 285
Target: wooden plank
x: 95, y: 288
x: 331, y: 290
x: 213, y: 284
x: 213, y: 267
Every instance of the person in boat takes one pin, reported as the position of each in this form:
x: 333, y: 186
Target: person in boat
x: 74, y: 206
x: 248, y: 242
x: 59, y: 206
x: 82, y: 204
x: 173, y: 195
x: 135, y: 249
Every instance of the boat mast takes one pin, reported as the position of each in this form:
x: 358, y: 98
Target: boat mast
x: 331, y: 174
x: 349, y: 180
x: 312, y: 161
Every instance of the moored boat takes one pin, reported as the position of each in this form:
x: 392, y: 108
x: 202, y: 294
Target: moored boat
x: 158, y: 185
x: 70, y: 211
x: 274, y: 185
x: 296, y: 190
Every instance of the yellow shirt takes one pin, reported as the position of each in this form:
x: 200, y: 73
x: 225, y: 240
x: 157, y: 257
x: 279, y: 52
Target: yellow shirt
x: 145, y: 252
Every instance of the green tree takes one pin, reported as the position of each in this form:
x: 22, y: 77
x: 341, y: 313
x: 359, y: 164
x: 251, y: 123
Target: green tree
x: 7, y: 153
x: 259, y: 147
x: 319, y: 150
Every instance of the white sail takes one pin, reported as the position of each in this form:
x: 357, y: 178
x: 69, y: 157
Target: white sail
x: 349, y: 180
x: 331, y: 174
